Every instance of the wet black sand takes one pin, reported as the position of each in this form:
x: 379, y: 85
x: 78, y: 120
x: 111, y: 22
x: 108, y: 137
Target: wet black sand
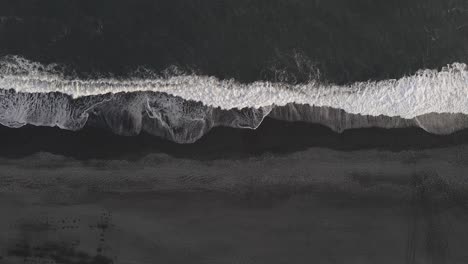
x: 273, y: 136
x: 329, y: 206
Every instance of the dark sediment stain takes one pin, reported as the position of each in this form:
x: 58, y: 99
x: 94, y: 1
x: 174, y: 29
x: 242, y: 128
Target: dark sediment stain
x: 59, y: 253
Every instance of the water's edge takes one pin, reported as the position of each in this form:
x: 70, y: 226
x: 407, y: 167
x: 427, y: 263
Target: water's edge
x: 184, y: 121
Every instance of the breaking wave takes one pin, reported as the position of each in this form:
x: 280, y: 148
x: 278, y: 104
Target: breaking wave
x: 183, y: 108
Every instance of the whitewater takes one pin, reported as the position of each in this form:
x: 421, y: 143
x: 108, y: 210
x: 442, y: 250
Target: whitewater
x: 184, y: 107
x: 427, y: 91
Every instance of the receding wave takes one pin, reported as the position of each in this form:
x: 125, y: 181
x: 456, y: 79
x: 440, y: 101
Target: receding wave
x: 183, y: 108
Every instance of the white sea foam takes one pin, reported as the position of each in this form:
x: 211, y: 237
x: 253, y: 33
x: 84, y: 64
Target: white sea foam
x: 427, y: 91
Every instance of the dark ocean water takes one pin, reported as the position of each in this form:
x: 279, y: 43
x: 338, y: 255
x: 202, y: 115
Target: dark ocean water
x: 288, y: 40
